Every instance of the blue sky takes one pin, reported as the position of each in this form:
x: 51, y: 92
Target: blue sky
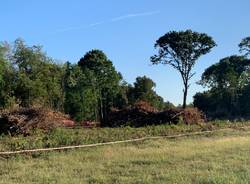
x: 126, y: 31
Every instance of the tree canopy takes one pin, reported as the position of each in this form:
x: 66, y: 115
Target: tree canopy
x: 226, y: 73
x: 245, y: 46
x: 92, y: 88
x: 228, y: 88
x: 105, y: 80
x: 181, y: 50
x: 144, y: 90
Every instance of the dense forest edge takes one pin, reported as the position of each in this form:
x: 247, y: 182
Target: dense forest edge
x: 92, y: 90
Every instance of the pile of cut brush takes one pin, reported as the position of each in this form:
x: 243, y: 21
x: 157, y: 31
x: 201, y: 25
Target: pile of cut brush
x: 26, y: 120
x: 143, y: 114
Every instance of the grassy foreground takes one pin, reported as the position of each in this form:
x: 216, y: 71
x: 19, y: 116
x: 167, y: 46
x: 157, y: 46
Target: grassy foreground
x: 221, y: 157
x: 65, y: 137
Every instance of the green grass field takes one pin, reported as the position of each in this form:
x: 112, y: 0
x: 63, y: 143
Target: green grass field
x: 221, y: 157
x: 65, y: 137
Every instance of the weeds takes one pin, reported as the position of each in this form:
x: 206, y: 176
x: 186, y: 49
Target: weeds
x: 64, y: 137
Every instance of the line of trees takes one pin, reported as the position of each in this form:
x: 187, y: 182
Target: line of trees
x: 228, y: 84
x: 86, y: 90
x: 90, y: 88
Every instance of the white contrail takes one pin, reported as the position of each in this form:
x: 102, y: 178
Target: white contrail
x: 115, y: 19
x: 78, y: 27
x: 134, y: 15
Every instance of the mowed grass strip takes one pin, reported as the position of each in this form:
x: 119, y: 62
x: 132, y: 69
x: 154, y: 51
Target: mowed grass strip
x: 218, y: 158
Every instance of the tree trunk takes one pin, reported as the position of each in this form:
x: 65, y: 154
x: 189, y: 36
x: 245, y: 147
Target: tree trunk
x: 185, y: 90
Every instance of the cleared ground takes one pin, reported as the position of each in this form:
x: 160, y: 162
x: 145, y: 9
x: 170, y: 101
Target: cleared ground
x: 215, y: 158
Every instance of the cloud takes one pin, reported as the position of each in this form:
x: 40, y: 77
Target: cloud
x: 115, y: 19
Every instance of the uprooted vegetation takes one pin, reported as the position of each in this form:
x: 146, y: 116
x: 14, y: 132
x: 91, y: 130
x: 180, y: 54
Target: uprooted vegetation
x: 26, y: 120
x: 142, y: 114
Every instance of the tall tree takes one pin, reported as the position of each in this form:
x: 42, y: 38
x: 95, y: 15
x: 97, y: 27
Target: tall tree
x: 80, y: 95
x: 227, y: 82
x: 143, y: 90
x: 245, y: 46
x: 181, y: 50
x: 7, y: 78
x: 244, y: 101
x: 106, y: 80
x: 38, y: 78
x: 2, y: 62
x: 226, y: 73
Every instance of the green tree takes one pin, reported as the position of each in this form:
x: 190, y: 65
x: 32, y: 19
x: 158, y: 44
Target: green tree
x: 214, y: 104
x: 7, y: 78
x: 245, y: 46
x: 244, y: 101
x: 105, y: 81
x: 80, y: 95
x: 38, y: 78
x: 2, y: 63
x: 226, y: 73
x: 181, y: 50
x: 226, y: 81
x: 144, y: 91
x: 51, y: 76
x: 122, y: 98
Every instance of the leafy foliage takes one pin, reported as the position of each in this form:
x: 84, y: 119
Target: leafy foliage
x: 245, y: 46
x: 181, y: 50
x: 143, y: 90
x: 105, y: 80
x: 37, y: 77
x: 225, y: 74
x: 7, y: 78
x: 86, y: 91
x: 228, y: 82
x: 80, y: 96
x: 92, y: 88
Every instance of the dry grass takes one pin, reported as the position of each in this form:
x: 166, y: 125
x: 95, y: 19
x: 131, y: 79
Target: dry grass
x: 218, y: 158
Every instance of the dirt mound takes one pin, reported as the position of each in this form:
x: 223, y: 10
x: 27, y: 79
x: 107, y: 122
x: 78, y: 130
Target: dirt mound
x: 25, y: 120
x: 143, y: 114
